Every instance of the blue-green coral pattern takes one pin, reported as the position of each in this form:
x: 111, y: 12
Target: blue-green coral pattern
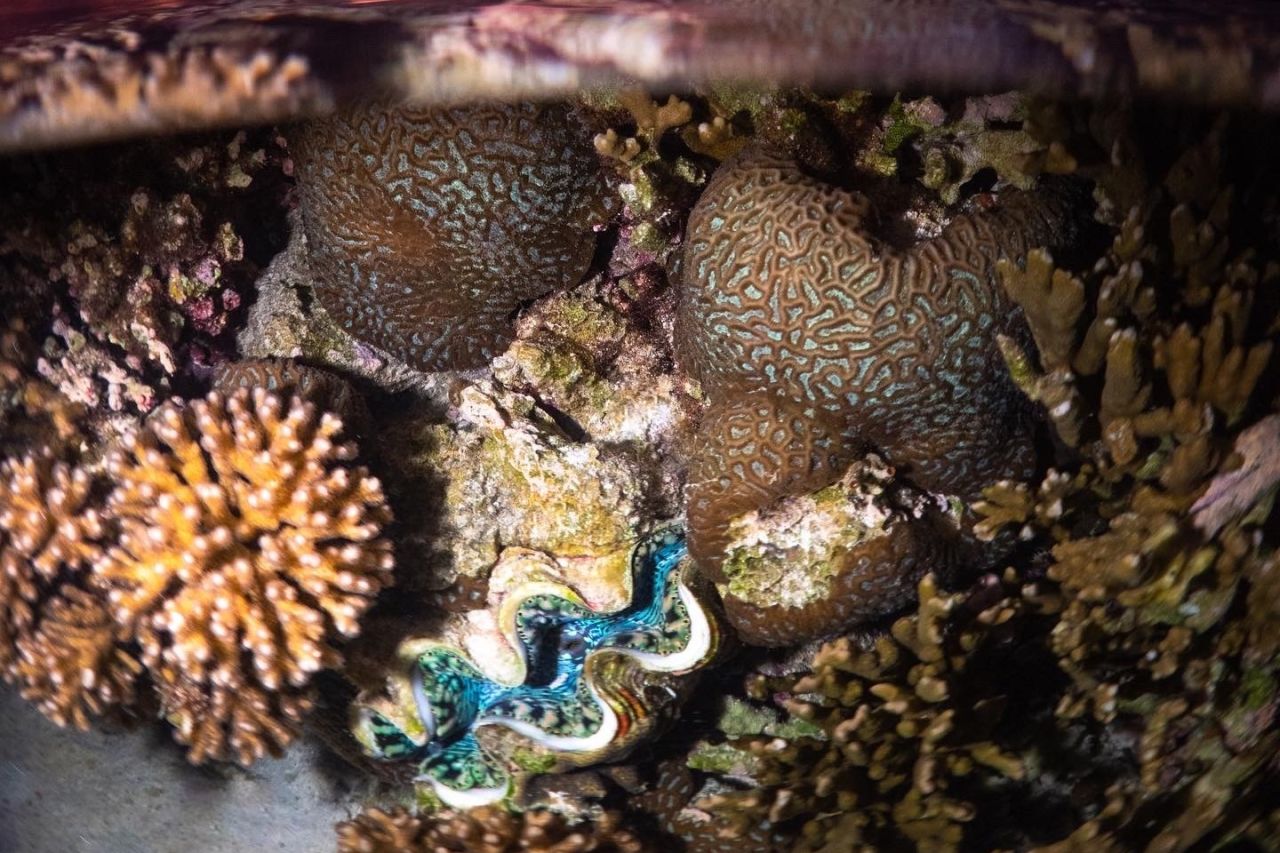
x: 428, y: 228
x: 578, y: 694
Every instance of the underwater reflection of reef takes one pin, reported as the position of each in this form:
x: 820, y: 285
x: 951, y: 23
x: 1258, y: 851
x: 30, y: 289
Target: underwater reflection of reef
x: 586, y: 689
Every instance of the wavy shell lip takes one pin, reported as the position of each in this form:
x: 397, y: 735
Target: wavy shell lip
x: 86, y: 70
x: 576, y: 702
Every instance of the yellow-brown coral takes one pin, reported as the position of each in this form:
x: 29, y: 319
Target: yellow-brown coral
x: 46, y: 527
x: 73, y: 665
x: 249, y: 543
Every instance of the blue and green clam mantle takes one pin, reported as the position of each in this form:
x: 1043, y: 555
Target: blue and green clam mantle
x: 578, y: 694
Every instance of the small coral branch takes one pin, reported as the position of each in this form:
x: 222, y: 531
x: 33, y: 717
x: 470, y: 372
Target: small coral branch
x: 490, y: 829
x: 72, y: 666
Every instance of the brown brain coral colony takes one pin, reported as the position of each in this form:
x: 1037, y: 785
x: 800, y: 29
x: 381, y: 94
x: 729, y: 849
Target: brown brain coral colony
x: 814, y: 340
x: 427, y: 229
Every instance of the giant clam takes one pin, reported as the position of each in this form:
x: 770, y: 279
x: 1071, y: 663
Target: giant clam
x: 590, y: 685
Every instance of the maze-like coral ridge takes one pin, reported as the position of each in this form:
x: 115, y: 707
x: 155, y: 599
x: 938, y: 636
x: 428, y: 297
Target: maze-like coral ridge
x: 784, y: 287
x: 815, y: 341
x: 426, y: 229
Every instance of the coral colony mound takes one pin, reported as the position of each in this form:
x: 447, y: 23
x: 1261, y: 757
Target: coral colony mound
x: 679, y: 426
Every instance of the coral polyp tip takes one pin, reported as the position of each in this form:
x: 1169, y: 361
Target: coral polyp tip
x: 249, y: 546
x: 47, y: 525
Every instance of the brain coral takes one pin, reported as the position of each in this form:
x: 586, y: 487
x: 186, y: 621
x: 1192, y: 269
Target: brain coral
x: 248, y: 544
x: 784, y: 288
x: 427, y: 228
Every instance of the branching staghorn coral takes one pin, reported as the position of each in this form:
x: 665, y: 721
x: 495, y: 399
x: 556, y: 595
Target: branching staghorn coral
x: 248, y: 545
x: 910, y: 726
x: 1160, y: 549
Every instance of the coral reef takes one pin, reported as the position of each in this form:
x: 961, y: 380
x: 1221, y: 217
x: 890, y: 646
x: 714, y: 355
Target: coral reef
x: 489, y: 829
x: 995, y: 482
x: 139, y: 259
x: 248, y: 544
x: 427, y: 228
x: 589, y: 686
x: 1115, y: 690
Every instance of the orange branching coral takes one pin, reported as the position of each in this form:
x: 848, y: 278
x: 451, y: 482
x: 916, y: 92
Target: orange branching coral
x: 73, y: 666
x: 248, y: 544
x: 46, y: 526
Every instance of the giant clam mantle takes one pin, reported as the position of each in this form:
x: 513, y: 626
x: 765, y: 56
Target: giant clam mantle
x: 591, y: 684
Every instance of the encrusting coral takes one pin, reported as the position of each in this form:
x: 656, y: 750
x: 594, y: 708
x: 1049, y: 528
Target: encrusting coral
x: 488, y: 829
x: 427, y: 228
x: 248, y: 545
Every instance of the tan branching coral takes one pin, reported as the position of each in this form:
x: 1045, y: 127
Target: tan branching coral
x: 901, y: 739
x: 490, y: 829
x: 46, y: 527
x: 73, y: 665
x: 249, y: 544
